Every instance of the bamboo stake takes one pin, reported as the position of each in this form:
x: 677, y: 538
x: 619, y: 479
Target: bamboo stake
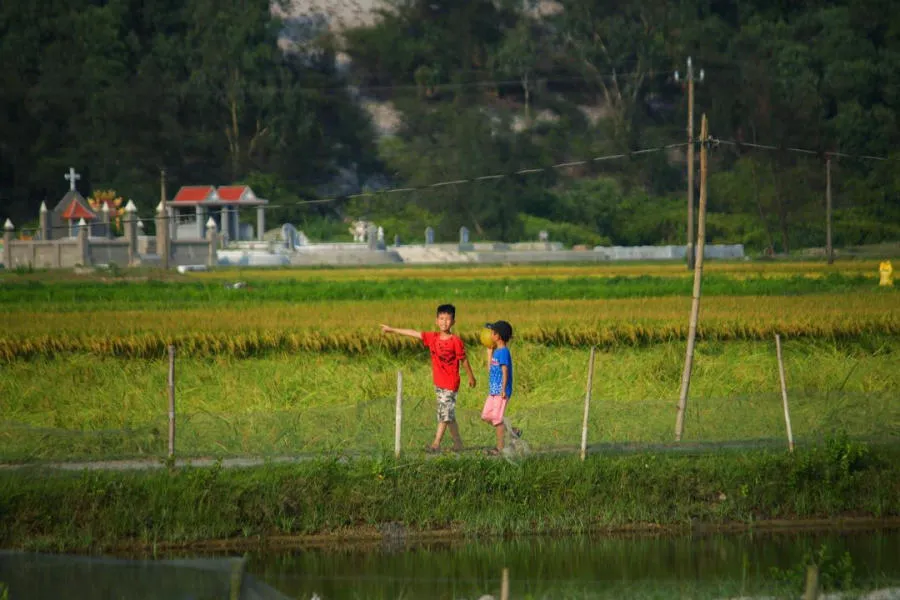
x: 812, y: 583
x: 171, y: 388
x: 698, y: 277
x: 237, y: 578
x: 784, y: 398
x: 587, y: 403
x: 399, y: 414
x: 504, y: 585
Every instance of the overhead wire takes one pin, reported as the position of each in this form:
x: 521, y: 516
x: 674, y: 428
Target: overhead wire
x: 557, y: 166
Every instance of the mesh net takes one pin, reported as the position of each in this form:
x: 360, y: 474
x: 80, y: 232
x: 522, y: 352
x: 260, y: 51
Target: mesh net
x: 367, y: 428
x: 51, y: 577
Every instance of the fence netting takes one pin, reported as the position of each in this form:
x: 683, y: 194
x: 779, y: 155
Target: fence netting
x: 51, y: 577
x: 368, y: 428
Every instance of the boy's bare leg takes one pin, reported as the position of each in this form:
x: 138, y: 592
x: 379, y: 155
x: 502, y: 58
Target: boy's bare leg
x: 439, y: 434
x: 454, y: 433
x: 499, y: 429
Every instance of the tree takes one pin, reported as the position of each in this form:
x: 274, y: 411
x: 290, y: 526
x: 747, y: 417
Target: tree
x: 523, y: 50
x: 616, y: 49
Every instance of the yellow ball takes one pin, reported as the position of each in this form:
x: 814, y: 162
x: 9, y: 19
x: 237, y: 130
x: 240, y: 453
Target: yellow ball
x: 486, y: 337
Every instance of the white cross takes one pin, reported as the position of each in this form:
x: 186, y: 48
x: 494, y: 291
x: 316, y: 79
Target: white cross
x: 72, y: 177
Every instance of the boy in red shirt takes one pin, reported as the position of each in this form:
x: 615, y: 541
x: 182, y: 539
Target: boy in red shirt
x: 447, y: 353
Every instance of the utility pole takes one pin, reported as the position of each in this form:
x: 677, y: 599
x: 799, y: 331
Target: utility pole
x: 690, y: 160
x: 698, y: 280
x: 163, y: 234
x: 829, y: 249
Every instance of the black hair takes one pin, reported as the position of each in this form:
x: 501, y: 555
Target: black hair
x: 448, y: 309
x: 503, y: 329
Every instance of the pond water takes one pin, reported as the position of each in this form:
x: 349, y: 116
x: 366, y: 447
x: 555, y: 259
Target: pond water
x: 698, y: 566
x: 709, y: 566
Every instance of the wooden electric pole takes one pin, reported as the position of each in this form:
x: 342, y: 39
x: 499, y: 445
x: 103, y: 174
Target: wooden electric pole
x: 690, y: 161
x: 698, y: 277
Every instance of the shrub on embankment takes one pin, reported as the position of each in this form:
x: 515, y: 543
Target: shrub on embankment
x: 100, y: 510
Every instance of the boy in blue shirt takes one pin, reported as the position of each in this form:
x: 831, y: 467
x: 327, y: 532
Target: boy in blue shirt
x: 500, y: 380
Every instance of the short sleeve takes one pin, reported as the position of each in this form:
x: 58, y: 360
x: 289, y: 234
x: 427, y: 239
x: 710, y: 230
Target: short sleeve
x: 460, y: 349
x: 503, y: 357
x: 428, y: 338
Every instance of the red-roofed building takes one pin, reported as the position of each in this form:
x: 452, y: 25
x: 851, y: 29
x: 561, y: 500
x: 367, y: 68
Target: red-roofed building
x: 76, y: 210
x: 66, y: 214
x: 194, y: 204
x: 194, y: 194
x: 241, y: 194
x: 64, y: 218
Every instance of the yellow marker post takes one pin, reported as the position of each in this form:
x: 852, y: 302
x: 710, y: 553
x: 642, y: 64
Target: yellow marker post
x: 887, y: 274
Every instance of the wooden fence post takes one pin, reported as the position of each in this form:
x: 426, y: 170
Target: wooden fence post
x: 504, y: 585
x: 398, y: 423
x: 812, y: 583
x: 171, y: 401
x: 784, y: 398
x: 587, y: 403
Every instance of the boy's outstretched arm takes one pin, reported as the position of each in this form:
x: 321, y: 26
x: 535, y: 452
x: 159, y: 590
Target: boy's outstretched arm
x: 408, y: 332
x: 465, y: 363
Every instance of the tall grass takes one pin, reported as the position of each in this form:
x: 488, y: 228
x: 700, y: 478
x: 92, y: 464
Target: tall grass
x: 80, y: 406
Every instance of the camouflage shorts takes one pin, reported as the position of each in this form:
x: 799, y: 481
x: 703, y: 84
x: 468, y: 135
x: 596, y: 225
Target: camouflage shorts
x: 446, y: 405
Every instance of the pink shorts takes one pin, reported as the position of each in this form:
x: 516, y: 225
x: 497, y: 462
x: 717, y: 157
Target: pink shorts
x: 494, y: 407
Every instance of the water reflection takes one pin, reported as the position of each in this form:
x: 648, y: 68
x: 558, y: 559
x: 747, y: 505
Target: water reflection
x: 711, y: 566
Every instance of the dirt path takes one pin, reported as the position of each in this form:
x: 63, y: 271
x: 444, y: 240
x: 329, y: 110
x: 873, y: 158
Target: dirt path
x: 149, y: 464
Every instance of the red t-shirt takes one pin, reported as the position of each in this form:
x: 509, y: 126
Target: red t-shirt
x: 445, y: 357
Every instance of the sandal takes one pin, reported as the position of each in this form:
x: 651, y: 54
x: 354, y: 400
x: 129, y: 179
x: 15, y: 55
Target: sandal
x: 432, y: 450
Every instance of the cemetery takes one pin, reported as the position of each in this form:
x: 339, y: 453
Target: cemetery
x: 201, y: 226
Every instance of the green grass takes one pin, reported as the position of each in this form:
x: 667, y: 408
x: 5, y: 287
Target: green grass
x: 80, y: 406
x: 96, y: 510
x: 93, y: 295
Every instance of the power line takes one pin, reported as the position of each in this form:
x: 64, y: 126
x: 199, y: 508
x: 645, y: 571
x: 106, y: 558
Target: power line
x: 441, y: 184
x: 535, y: 170
x: 497, y: 176
x: 803, y: 150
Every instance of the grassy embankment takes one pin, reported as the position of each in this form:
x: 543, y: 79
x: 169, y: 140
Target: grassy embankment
x: 650, y: 491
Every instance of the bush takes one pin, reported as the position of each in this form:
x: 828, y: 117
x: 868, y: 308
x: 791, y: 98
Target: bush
x: 567, y: 233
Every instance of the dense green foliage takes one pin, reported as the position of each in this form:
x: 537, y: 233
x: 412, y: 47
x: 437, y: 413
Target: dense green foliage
x: 511, y: 94
x: 204, y: 89
x: 94, y: 510
x: 124, y: 88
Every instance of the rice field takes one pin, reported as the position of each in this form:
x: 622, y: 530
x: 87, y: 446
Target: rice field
x: 266, y: 376
x: 353, y: 326
x: 733, y: 269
